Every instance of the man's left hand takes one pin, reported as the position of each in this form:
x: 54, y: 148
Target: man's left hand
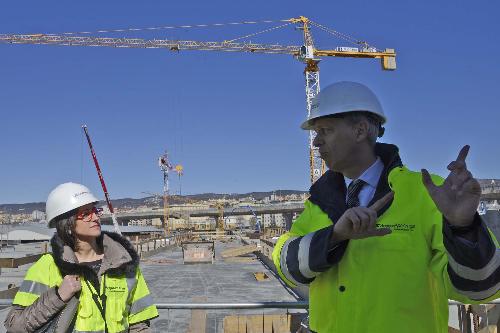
x: 458, y: 198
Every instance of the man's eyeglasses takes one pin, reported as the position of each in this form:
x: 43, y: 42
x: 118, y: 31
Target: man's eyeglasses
x: 86, y: 215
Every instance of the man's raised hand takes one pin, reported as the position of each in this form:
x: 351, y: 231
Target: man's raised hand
x: 458, y: 198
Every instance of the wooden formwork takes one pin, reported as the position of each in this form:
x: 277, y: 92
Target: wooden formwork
x: 198, y: 252
x: 258, y: 324
x: 238, y: 251
x: 16, y: 262
x: 150, y: 246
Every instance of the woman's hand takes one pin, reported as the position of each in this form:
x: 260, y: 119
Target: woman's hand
x: 70, y: 285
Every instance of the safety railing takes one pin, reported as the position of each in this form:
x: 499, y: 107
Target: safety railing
x: 279, y: 317
x: 216, y: 306
x: 286, y: 317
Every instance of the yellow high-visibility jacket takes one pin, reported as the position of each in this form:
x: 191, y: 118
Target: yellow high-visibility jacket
x: 128, y: 301
x: 400, y: 282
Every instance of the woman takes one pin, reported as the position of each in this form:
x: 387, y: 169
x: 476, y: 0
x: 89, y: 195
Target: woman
x: 101, y: 269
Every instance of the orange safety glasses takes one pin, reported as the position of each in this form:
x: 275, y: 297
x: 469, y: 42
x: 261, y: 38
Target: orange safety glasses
x: 86, y: 216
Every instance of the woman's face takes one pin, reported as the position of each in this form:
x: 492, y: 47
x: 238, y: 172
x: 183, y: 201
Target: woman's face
x: 88, y: 223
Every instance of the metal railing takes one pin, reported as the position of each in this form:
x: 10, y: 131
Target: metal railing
x: 468, y: 320
x: 217, y: 306
x: 257, y: 305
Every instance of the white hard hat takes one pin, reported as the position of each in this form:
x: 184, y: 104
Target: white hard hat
x: 342, y: 97
x: 66, y: 197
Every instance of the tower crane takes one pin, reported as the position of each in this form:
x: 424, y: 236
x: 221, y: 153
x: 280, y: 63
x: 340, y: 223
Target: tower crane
x: 166, y: 166
x: 306, y: 53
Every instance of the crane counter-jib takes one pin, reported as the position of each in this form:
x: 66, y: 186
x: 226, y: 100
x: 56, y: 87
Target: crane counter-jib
x: 388, y: 57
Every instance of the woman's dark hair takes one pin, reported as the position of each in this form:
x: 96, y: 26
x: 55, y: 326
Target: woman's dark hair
x: 65, y: 226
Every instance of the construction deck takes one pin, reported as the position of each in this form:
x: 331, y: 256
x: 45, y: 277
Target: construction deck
x: 234, y: 279
x: 230, y: 281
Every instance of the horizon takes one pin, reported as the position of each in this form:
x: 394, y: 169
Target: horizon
x: 171, y: 195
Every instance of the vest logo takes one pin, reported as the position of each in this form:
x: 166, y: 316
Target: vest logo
x: 398, y: 227
x: 116, y: 289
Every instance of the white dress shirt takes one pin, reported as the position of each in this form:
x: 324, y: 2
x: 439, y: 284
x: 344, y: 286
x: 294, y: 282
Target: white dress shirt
x: 371, y: 177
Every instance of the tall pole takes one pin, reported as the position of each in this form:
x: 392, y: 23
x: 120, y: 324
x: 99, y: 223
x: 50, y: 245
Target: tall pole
x: 101, y: 179
x: 165, y: 166
x: 165, y: 202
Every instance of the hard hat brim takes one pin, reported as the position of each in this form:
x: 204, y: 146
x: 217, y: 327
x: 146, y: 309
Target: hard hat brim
x: 52, y: 222
x: 309, y: 123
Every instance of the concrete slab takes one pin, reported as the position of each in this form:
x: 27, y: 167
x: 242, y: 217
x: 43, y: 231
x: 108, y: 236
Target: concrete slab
x: 221, y: 282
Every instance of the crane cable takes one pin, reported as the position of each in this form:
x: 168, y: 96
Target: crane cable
x: 335, y: 33
x: 259, y: 32
x: 340, y: 35
x: 168, y: 27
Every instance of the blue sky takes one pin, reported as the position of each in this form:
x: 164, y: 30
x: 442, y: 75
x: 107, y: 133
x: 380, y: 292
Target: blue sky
x: 232, y: 119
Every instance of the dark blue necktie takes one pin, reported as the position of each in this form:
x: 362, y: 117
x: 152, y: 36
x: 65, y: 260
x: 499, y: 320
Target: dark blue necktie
x: 353, y: 192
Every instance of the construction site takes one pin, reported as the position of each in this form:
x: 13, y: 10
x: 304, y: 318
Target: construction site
x: 209, y: 265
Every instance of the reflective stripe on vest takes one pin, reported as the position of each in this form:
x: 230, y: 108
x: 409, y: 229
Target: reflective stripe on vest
x: 33, y: 287
x: 131, y: 282
x: 141, y: 304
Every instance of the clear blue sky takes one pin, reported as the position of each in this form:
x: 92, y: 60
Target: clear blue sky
x: 232, y: 119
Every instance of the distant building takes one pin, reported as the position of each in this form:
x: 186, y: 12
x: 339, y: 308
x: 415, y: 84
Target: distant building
x: 156, y: 221
x: 38, y: 215
x: 27, y: 233
x: 273, y: 220
x: 201, y: 223
x: 234, y: 222
x: 19, y: 218
x: 4, y: 218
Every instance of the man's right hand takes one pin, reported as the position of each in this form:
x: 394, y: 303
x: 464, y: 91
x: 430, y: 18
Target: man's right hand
x: 70, y: 285
x: 360, y: 222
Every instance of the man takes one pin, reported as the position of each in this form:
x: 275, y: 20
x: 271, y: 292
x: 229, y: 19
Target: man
x: 383, y: 248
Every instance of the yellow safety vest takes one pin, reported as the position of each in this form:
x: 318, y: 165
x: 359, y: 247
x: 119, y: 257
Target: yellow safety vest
x: 128, y: 300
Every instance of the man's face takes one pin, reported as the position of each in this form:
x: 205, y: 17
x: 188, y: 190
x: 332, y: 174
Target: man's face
x: 336, y: 141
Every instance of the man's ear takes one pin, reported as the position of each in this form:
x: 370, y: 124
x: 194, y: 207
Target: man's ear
x: 361, y: 130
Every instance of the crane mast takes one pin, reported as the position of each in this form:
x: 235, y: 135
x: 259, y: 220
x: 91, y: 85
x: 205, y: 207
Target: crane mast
x: 311, y: 74
x: 166, y: 166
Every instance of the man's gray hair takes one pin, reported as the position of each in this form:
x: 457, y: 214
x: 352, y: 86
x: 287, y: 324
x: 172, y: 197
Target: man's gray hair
x: 374, y: 123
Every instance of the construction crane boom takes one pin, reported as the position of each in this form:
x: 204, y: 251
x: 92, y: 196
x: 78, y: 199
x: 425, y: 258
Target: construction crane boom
x: 306, y: 53
x: 182, y: 45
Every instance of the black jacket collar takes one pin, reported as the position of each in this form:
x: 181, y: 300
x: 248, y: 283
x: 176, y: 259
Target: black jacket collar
x: 119, y: 256
x: 329, y: 191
